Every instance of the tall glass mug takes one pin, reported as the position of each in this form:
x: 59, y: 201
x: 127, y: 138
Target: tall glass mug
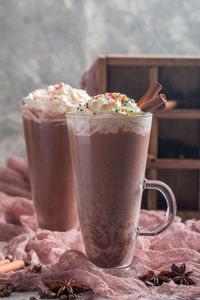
x: 50, y: 169
x: 109, y: 157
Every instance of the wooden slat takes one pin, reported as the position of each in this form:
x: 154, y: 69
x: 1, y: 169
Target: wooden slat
x: 153, y: 146
x: 152, y: 173
x: 153, y: 60
x: 188, y: 214
x: 102, y: 75
x: 153, y: 74
x: 178, y: 114
x: 198, y: 200
x: 152, y: 194
x: 189, y: 164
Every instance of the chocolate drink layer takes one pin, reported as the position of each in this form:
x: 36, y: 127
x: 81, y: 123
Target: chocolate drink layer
x: 109, y: 158
x: 51, y: 174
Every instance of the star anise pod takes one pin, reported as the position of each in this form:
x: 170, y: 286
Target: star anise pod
x: 151, y: 278
x: 69, y: 288
x: 180, y: 276
x: 77, y: 287
x: 61, y: 286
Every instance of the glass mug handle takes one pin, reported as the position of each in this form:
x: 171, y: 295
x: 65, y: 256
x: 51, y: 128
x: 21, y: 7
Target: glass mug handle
x: 171, y: 206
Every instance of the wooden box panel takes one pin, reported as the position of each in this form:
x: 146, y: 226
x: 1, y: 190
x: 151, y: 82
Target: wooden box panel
x: 184, y: 185
x: 130, y: 80
x: 178, y: 137
x: 180, y: 82
x: 180, y: 77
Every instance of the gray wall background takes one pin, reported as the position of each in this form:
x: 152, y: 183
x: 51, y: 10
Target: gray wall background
x: 48, y: 41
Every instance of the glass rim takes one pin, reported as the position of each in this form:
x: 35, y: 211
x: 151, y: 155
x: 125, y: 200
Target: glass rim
x: 110, y: 116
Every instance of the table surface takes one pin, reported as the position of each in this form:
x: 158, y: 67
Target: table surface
x: 27, y: 295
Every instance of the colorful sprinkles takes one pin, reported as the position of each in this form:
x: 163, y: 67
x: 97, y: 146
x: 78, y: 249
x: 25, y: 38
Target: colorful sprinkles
x: 59, y: 98
x: 124, y: 103
x: 54, y: 93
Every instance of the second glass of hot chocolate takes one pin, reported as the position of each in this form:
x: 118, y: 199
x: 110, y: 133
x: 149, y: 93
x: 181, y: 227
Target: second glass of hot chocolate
x: 48, y: 152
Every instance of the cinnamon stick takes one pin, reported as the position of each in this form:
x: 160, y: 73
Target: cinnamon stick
x: 170, y: 104
x: 152, y: 91
x: 153, y: 103
x: 4, y: 262
x: 12, y: 266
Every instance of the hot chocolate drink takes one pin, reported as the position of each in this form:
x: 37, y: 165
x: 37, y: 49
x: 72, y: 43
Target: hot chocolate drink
x: 109, y: 137
x: 49, y: 156
x: 109, y: 144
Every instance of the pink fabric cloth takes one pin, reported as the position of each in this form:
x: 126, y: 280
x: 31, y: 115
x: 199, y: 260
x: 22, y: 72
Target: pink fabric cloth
x: 62, y: 253
x: 14, y: 179
x: 89, y: 81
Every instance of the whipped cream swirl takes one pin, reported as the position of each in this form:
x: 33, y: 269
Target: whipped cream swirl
x: 110, y: 104
x: 58, y: 98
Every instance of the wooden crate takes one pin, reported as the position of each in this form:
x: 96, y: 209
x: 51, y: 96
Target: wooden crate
x: 180, y: 77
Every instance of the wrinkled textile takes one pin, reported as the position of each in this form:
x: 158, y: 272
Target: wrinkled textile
x: 14, y: 179
x: 89, y: 80
x: 62, y: 253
